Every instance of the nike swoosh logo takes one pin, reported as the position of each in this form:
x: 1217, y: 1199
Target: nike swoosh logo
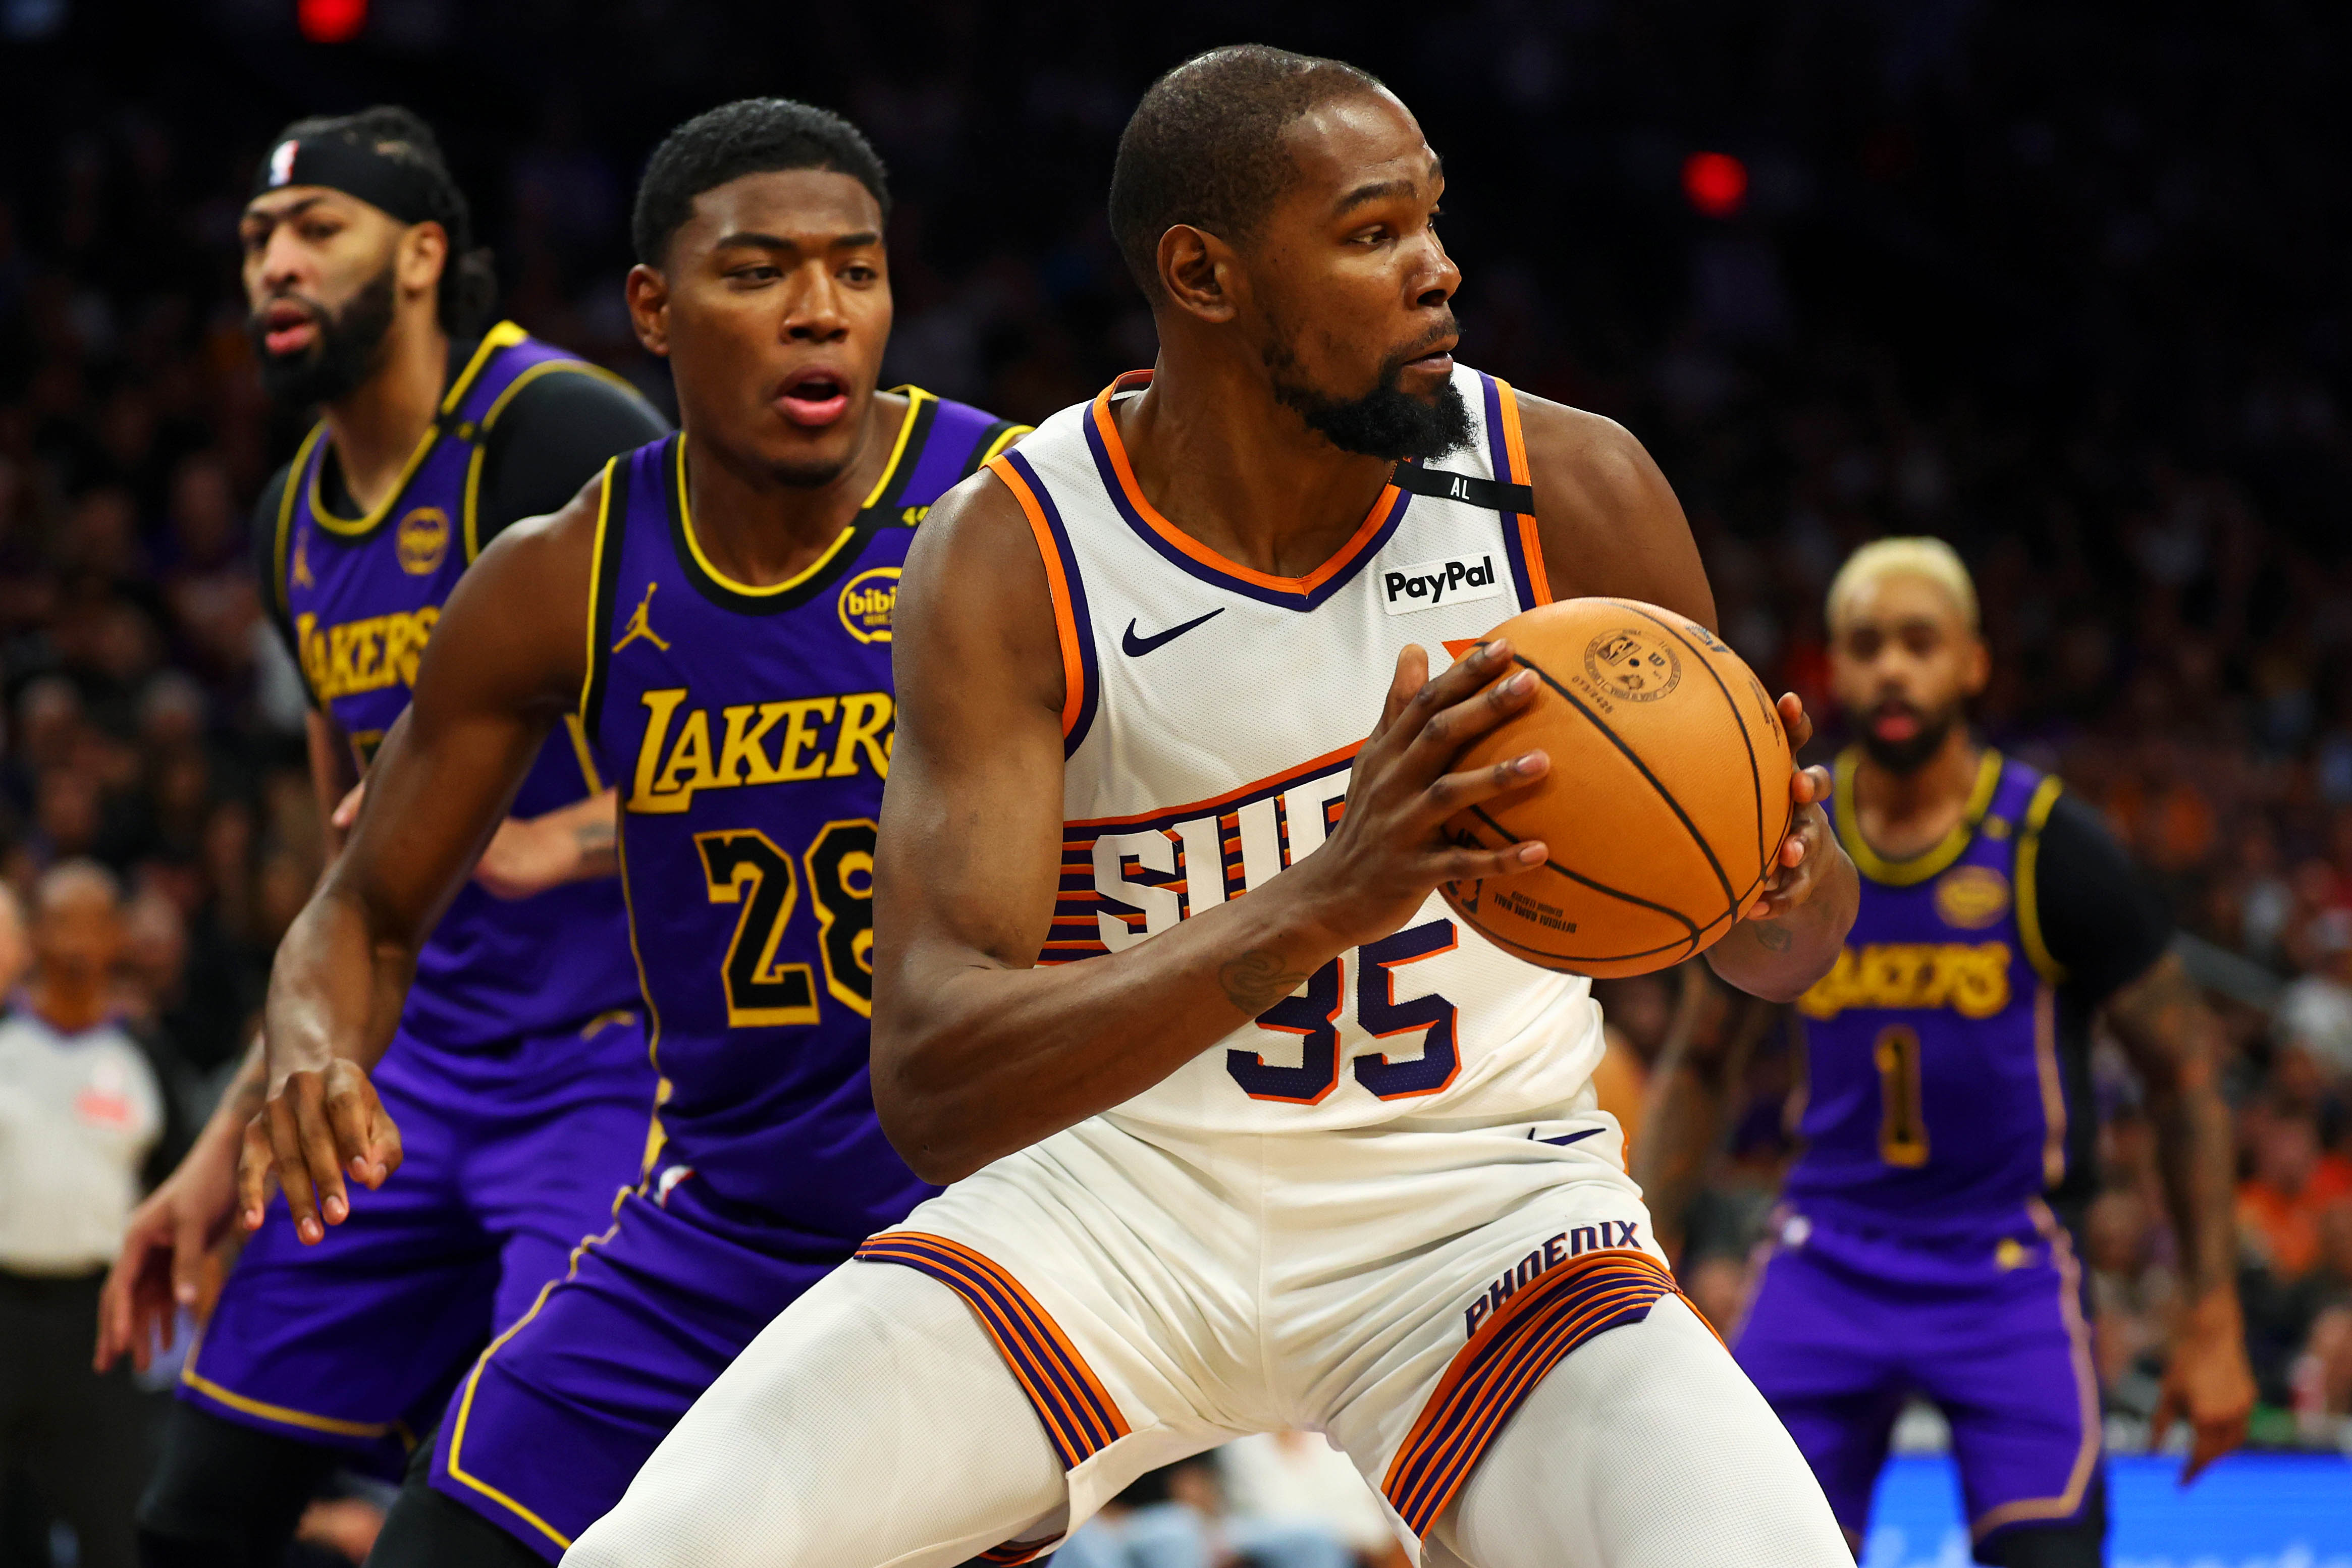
x: 1135, y: 647
x: 1570, y: 1138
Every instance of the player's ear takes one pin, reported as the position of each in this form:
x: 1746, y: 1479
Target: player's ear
x: 649, y: 296
x: 1979, y: 666
x: 1197, y: 270
x: 423, y: 252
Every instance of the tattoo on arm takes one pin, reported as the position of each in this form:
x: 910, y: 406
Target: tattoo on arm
x: 1773, y: 936
x: 1257, y: 979
x: 595, y: 838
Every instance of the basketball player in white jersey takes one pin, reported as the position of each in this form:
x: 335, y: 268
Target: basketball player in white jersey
x: 1318, y: 1156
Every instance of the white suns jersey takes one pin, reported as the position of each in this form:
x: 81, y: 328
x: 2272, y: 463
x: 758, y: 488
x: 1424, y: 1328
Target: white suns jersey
x: 1213, y: 714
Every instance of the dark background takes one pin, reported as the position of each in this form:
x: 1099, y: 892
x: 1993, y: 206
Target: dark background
x: 2062, y: 283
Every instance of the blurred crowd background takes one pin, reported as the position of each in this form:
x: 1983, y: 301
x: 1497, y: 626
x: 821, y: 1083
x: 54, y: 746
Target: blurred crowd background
x: 2065, y: 283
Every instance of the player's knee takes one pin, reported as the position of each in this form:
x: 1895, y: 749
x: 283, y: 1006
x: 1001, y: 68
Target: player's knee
x: 427, y: 1530
x: 224, y: 1494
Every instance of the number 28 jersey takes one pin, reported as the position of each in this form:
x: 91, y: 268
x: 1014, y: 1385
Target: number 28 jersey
x: 748, y: 730
x: 1212, y: 718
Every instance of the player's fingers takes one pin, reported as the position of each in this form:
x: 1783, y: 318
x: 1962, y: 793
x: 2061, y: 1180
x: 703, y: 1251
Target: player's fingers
x: 1460, y: 863
x: 1795, y: 720
x: 1412, y: 675
x: 1455, y: 791
x: 255, y: 1157
x: 114, y: 1307
x: 386, y: 1147
x: 1808, y: 786
x: 347, y: 810
x: 295, y: 1173
x: 1444, y: 733
x: 189, y: 1246
x: 353, y: 1110
x: 2168, y: 1407
x: 319, y: 1156
x: 1451, y: 686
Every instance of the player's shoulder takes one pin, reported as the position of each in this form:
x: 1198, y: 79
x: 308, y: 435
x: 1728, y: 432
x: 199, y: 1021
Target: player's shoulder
x: 571, y: 533
x: 1569, y: 445
x: 970, y: 436
x: 559, y: 396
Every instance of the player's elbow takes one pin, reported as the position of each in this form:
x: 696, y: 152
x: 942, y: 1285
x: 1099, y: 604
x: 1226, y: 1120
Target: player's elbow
x: 925, y: 1122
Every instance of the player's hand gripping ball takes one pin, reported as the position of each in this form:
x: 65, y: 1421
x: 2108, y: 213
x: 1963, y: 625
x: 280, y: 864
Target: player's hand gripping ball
x: 1666, y: 804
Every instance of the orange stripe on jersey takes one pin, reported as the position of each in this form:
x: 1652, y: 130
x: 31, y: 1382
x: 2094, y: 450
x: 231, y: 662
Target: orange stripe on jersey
x: 1215, y: 803
x: 1058, y: 583
x: 1544, y: 1320
x: 1108, y: 426
x: 1013, y: 1553
x: 1514, y: 447
x: 1079, y: 1414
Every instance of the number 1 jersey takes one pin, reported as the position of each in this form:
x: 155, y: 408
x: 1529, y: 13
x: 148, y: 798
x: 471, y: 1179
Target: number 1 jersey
x: 748, y: 731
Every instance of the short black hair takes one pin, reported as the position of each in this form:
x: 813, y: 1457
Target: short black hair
x: 749, y: 136
x: 469, y: 284
x: 1205, y: 146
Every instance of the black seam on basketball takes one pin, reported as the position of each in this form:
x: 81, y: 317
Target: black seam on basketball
x: 1755, y: 772
x: 1689, y: 924
x: 1635, y: 758
x: 1543, y: 957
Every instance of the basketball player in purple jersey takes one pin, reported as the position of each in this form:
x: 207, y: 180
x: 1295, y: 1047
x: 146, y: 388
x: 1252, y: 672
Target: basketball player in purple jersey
x: 715, y: 610
x: 1926, y: 1239
x: 517, y: 1068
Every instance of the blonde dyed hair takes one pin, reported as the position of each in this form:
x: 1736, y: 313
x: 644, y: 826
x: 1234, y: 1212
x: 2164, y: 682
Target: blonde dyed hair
x: 1930, y: 558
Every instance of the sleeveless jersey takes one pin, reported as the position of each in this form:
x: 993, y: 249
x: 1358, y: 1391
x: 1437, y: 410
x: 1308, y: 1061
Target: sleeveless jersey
x: 1936, y: 1096
x: 748, y: 729
x: 362, y: 595
x: 1212, y: 718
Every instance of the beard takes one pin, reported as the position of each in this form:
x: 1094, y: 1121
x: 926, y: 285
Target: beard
x: 1911, y: 753
x: 347, y: 350
x: 1387, y: 422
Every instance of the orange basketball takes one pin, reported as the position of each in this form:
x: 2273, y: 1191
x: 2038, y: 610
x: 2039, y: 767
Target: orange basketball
x: 1666, y: 802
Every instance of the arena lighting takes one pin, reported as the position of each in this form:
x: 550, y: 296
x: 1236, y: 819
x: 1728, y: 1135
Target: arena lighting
x: 1716, y: 183
x: 331, y: 21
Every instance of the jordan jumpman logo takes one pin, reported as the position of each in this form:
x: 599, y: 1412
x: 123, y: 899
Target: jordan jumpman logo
x: 639, y: 627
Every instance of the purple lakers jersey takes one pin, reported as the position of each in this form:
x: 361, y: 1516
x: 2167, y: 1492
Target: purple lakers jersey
x: 1936, y: 1095
x: 361, y: 595
x: 748, y: 729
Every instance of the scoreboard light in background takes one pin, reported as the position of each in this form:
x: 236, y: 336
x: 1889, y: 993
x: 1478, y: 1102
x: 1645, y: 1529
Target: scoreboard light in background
x: 1716, y: 183
x: 331, y: 21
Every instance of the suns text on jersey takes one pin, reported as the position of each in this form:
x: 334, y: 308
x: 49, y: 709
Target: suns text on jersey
x: 757, y: 743
x: 363, y: 655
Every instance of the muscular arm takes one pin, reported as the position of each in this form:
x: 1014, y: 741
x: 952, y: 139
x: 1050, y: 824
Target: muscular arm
x: 2174, y: 1044
x: 1609, y: 524
x: 505, y: 662
x: 977, y: 1052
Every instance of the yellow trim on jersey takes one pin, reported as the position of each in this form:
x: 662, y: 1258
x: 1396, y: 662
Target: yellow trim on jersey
x: 282, y: 1413
x: 465, y: 1404
x: 580, y: 751
x: 685, y: 522
x: 914, y: 396
x: 996, y: 447
x: 285, y: 520
x: 595, y: 582
x: 481, y: 449
x: 1917, y: 868
x: 2028, y: 895
x: 505, y: 335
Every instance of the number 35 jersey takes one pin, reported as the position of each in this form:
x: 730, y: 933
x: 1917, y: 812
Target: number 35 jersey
x: 748, y: 730
x: 1212, y: 715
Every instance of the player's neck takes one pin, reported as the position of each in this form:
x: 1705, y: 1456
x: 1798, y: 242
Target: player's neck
x: 759, y: 529
x: 1905, y: 814
x: 376, y: 426
x: 1242, y: 474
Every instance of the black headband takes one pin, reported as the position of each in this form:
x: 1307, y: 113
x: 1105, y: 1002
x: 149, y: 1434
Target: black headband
x: 406, y: 192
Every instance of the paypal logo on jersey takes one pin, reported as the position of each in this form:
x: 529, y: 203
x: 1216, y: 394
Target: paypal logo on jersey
x: 1430, y: 583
